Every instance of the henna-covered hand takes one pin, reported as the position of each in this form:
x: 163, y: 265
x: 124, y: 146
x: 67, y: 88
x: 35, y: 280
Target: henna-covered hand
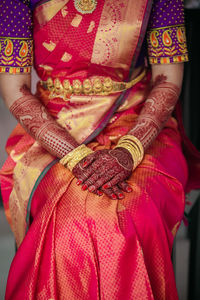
x: 156, y: 111
x: 37, y: 121
x: 106, y: 170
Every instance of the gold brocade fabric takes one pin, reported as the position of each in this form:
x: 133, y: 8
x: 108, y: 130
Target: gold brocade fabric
x: 100, y: 235
x: 82, y: 114
x: 80, y: 246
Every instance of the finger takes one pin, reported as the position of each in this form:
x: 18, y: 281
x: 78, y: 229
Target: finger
x: 110, y: 169
x: 101, y: 181
x: 89, y: 183
x: 100, y: 178
x: 91, y: 169
x: 110, y: 193
x: 99, y: 193
x: 88, y: 160
x: 115, y: 180
x: 125, y: 187
x: 83, y: 175
x: 118, y: 192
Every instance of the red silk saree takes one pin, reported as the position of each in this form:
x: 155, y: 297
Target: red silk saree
x: 71, y: 243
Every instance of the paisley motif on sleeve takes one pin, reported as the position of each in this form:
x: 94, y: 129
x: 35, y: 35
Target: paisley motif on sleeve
x: 16, y: 37
x: 166, y: 33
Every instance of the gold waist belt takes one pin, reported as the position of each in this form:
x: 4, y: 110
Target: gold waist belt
x: 93, y: 86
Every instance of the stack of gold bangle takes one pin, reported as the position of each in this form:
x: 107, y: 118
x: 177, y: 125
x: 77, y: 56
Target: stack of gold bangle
x: 76, y: 155
x: 134, y: 146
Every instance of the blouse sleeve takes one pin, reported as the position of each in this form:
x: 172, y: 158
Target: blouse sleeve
x: 166, y: 33
x: 15, y: 36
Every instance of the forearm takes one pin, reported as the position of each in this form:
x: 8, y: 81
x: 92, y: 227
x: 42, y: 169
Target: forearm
x: 36, y: 120
x: 166, y: 86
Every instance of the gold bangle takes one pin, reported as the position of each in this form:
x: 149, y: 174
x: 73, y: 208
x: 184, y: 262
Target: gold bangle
x: 74, y: 156
x: 71, y: 154
x: 134, y: 146
x: 136, y: 155
x: 131, y: 139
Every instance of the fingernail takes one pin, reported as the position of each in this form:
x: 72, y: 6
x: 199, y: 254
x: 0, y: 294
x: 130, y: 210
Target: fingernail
x: 91, y: 188
x: 84, y: 187
x: 100, y: 193
x: 79, y: 182
x: 129, y: 189
x: 106, y: 186
x: 85, y: 164
x: 114, y: 196
x: 120, y: 195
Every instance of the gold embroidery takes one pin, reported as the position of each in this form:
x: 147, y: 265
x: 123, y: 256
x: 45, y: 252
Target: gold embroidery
x: 76, y: 20
x: 49, y: 46
x: 91, y: 27
x: 167, y: 45
x: 49, y: 9
x: 168, y: 60
x: 166, y: 38
x: 64, y: 11
x: 24, y: 49
x: 46, y: 67
x: 85, y: 6
x: 9, y: 47
x: 153, y: 38
x: 66, y: 57
x: 15, y: 55
x: 14, y: 70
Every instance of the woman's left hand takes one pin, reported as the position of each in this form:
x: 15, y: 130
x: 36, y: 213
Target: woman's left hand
x: 104, y: 169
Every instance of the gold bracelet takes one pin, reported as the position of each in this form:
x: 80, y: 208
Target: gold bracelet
x: 134, y: 146
x: 80, y: 149
x: 136, y: 155
x: 74, y: 156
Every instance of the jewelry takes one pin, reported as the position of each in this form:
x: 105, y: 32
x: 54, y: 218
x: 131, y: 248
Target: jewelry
x: 85, y: 6
x: 92, y: 86
x: 134, y: 146
x: 75, y: 156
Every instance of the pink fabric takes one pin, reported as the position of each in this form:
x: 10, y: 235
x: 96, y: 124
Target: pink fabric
x: 80, y: 246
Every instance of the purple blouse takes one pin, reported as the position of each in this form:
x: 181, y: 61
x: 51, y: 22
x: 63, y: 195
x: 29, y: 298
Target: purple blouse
x: 15, y: 36
x: 165, y: 36
x: 166, y: 33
